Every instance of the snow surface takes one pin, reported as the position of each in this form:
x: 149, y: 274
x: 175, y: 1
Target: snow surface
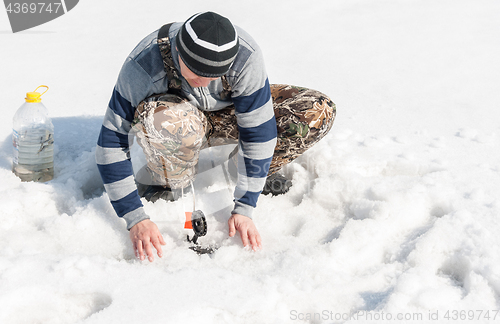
x: 395, y: 213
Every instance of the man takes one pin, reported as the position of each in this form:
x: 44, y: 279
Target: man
x: 206, y: 63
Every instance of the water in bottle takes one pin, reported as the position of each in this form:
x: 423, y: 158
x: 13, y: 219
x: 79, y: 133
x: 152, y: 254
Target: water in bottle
x: 33, y: 140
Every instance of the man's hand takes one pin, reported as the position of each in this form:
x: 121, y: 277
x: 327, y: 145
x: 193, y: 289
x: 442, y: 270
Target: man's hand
x: 247, y: 229
x: 143, y: 235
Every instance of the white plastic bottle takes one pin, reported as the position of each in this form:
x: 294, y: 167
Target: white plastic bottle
x: 33, y: 140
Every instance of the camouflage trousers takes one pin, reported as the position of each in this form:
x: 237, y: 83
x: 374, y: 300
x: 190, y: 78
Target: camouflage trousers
x: 172, y: 132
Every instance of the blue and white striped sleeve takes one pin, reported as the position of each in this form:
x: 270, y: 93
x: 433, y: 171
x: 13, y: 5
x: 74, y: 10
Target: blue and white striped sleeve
x: 257, y: 132
x: 112, y: 152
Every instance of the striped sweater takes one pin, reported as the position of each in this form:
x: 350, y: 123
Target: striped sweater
x: 143, y: 75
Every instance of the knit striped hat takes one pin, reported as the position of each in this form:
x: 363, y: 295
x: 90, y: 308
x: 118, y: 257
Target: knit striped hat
x: 208, y: 44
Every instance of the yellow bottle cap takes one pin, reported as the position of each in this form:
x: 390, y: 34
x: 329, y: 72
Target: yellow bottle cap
x: 36, y: 96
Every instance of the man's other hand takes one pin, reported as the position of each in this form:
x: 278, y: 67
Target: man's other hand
x: 247, y: 229
x: 143, y: 235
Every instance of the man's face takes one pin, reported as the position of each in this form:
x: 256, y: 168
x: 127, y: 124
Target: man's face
x: 194, y: 80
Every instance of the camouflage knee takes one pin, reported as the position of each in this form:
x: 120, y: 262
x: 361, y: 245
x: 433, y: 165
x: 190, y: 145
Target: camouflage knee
x: 303, y: 117
x: 170, y: 131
